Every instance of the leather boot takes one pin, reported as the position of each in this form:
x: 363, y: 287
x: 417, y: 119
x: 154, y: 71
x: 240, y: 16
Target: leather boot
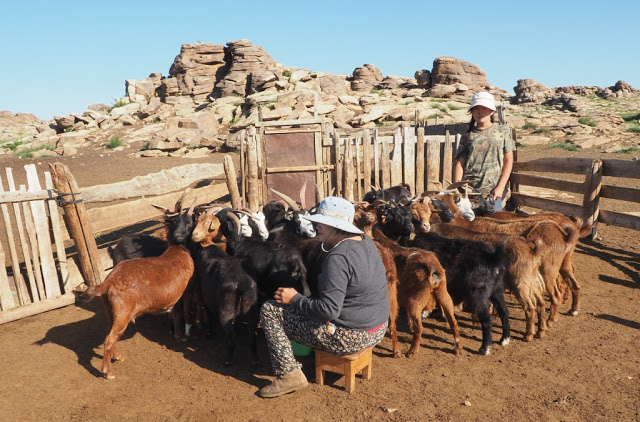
x: 286, y: 383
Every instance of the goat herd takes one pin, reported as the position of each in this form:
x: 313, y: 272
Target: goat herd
x: 213, y: 264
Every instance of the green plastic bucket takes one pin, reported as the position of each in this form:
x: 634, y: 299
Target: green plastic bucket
x: 300, y: 349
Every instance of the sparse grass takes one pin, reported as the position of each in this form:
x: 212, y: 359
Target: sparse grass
x: 436, y: 116
x: 28, y: 152
x: 11, y: 145
x: 114, y: 142
x: 271, y: 107
x: 157, y: 120
x: 453, y: 107
x: 377, y: 91
x: 589, y: 121
x: 437, y: 100
x: 237, y: 104
x: 529, y: 125
x: 68, y: 129
x: 627, y: 150
x: 541, y: 130
x: 632, y: 121
x: 119, y: 104
x: 287, y: 73
x: 409, y: 102
x: 563, y: 145
x: 440, y: 107
x: 233, y: 121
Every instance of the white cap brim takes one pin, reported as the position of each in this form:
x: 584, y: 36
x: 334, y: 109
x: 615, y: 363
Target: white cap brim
x: 337, y: 223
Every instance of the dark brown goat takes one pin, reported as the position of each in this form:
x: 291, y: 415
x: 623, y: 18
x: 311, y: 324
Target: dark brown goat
x: 421, y: 280
x: 146, y: 285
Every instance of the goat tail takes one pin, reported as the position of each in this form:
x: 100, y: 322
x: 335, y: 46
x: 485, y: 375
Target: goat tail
x: 97, y: 290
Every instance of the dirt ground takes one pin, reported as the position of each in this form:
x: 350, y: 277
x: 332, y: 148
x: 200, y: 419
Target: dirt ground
x: 587, y: 368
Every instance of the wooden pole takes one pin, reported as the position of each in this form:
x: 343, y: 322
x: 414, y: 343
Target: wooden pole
x: 6, y: 297
x: 232, y: 184
x: 366, y: 149
x: 385, y: 164
x: 433, y: 164
x: 57, y: 237
x: 420, y: 161
x: 409, y: 143
x: 348, y: 170
x: 339, y: 165
x: 376, y: 159
x: 396, y: 161
x: 358, y: 170
x: 591, y: 200
x: 253, y: 196
x: 447, y: 161
x: 77, y: 223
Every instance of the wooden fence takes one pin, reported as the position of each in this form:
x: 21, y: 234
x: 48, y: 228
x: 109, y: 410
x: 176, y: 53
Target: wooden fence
x: 47, y: 262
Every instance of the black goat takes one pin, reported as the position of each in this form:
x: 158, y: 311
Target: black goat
x: 271, y: 264
x: 400, y: 194
x: 396, y: 219
x: 137, y: 246
x: 229, y: 293
x: 474, y: 278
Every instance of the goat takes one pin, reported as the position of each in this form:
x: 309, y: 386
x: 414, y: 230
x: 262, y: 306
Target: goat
x: 565, y: 233
x: 400, y: 194
x: 229, y: 292
x: 521, y: 276
x: 421, y: 281
x: 146, y: 285
x: 137, y: 246
x: 421, y: 214
x: 395, y: 219
x: 474, y: 278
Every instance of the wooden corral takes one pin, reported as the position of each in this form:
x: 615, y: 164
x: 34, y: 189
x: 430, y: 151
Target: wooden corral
x: 51, y: 235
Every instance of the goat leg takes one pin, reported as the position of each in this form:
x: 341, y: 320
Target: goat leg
x: 446, y: 304
x: 497, y: 298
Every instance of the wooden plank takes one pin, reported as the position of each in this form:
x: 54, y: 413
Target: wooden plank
x: 433, y: 165
x: 376, y: 158
x: 6, y: 296
x: 619, y: 219
x: 409, y: 142
x: 547, y: 183
x: 366, y: 157
x: 519, y: 200
x: 348, y: 170
x: 58, y: 237
x: 12, y: 197
x: 37, y: 308
x: 293, y: 169
x: 49, y: 273
x: 21, y: 287
x: 620, y: 193
x: 420, y: 160
x: 621, y: 168
x: 396, y: 160
x: 30, y: 227
x: 253, y: 195
x: 358, y: 169
x: 243, y: 163
x: 26, y: 253
x: 339, y: 165
x: 317, y: 139
x: 554, y: 165
x: 385, y: 164
x: 121, y: 215
x: 447, y: 160
x: 232, y: 184
x: 292, y: 122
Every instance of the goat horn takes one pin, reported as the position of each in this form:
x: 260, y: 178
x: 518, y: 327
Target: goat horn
x: 333, y: 190
x: 247, y: 213
x: 193, y: 204
x: 236, y: 220
x: 160, y: 207
x: 303, y: 192
x: 178, y: 206
x: 292, y: 204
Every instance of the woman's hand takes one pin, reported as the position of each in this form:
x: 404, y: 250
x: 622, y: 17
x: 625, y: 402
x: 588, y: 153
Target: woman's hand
x: 497, y: 193
x: 285, y: 294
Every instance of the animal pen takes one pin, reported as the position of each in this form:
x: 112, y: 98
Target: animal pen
x: 53, y: 253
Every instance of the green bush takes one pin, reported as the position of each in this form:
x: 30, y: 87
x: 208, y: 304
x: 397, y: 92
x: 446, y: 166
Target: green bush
x: 589, y: 121
x: 564, y: 145
x: 436, y: 115
x: 529, y: 125
x: 440, y: 107
x: 114, y: 142
x: 120, y: 104
x: 287, y: 73
x: 11, y: 145
x: 28, y: 152
x: 628, y: 150
x: 541, y: 130
x: 453, y: 107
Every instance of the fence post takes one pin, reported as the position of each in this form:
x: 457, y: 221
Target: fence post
x: 420, y: 161
x: 253, y: 194
x: 78, y: 223
x: 433, y: 164
x: 591, y: 200
x: 232, y: 185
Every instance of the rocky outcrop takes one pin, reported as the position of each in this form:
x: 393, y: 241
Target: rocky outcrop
x: 194, y: 71
x: 365, y: 78
x: 451, y: 71
x: 530, y: 91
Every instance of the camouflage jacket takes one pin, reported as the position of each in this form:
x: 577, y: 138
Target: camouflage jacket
x: 483, y: 153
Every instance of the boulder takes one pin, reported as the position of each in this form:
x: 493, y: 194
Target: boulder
x: 365, y: 77
x: 530, y: 91
x: 450, y: 70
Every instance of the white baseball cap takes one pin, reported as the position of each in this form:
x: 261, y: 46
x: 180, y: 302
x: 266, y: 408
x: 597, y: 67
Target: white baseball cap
x: 483, y: 99
x: 335, y: 212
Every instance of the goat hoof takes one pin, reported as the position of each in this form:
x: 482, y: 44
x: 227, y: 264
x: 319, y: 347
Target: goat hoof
x: 485, y: 351
x: 540, y: 334
x: 505, y: 341
x: 573, y: 312
x: 109, y: 376
x: 528, y: 337
x: 410, y: 353
x: 397, y: 354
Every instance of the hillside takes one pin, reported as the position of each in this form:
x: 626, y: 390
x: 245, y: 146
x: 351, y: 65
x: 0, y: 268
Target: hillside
x: 213, y: 92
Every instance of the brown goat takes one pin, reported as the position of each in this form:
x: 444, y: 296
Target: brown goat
x: 146, y: 285
x: 422, y: 281
x: 207, y: 231
x: 560, y: 240
x: 421, y: 212
x: 521, y: 274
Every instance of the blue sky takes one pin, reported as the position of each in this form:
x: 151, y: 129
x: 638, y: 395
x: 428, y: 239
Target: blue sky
x: 59, y: 57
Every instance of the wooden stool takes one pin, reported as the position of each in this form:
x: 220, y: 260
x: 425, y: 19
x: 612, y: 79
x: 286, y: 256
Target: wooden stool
x: 347, y: 365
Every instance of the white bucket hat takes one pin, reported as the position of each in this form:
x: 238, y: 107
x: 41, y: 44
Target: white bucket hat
x: 483, y: 99
x: 335, y: 212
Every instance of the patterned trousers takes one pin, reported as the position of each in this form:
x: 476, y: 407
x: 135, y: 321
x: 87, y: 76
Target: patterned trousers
x: 283, y: 323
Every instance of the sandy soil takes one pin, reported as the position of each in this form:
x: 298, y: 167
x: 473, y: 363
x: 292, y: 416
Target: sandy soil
x: 587, y: 368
